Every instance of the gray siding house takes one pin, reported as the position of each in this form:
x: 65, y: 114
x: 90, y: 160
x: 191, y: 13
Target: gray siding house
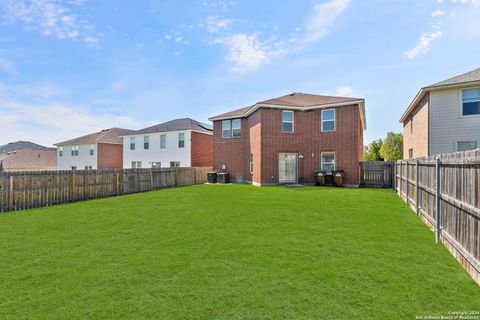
x: 444, y: 117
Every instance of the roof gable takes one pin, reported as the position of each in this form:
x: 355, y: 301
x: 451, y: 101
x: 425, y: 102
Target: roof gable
x: 471, y: 76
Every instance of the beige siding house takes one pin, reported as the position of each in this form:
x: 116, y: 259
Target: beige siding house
x: 444, y: 117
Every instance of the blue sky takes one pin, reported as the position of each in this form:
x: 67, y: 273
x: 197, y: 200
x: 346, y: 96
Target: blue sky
x: 77, y: 66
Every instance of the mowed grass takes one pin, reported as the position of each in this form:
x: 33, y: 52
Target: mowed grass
x: 229, y: 252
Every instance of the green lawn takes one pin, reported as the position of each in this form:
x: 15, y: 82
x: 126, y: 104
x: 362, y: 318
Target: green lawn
x: 229, y: 252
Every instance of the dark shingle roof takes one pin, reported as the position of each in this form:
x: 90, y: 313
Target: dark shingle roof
x: 293, y: 100
x: 112, y: 136
x: 471, y: 76
x: 22, y: 145
x: 176, y: 125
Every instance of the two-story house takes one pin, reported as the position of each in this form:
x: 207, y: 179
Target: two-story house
x: 27, y: 156
x: 177, y: 143
x: 99, y: 150
x: 284, y: 140
x: 444, y: 117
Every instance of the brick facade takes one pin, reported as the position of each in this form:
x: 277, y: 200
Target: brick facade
x: 202, y: 149
x: 263, y: 137
x: 415, y: 131
x: 110, y: 156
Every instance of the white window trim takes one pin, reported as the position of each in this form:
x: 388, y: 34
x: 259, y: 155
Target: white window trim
x: 460, y: 108
x: 334, y: 160
x: 178, y: 144
x: 91, y: 148
x: 165, y: 140
x: 334, y: 120
x: 134, y: 143
x: 225, y: 130
x: 465, y: 140
x: 231, y: 127
x: 60, y: 151
x: 293, y: 121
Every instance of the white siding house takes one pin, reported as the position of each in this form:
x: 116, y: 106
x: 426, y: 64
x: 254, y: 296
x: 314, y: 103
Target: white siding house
x: 157, y: 149
x: 77, y: 156
x: 451, y: 130
x: 164, y: 145
x: 99, y: 150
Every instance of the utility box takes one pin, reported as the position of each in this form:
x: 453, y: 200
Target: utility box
x: 212, y: 177
x: 223, y: 177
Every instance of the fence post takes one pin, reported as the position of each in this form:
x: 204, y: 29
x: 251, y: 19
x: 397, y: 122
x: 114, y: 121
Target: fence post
x: 417, y: 188
x: 437, y: 200
x: 394, y: 176
x: 73, y: 186
x: 401, y: 178
x: 406, y: 179
x: 151, y: 179
x: 10, y: 192
x: 118, y: 183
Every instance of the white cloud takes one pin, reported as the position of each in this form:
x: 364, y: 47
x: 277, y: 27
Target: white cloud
x: 423, y: 44
x: 215, y: 24
x: 473, y: 2
x: 49, y: 17
x: 91, y: 41
x: 50, y: 123
x: 248, y: 53
x: 324, y: 16
x: 438, y: 13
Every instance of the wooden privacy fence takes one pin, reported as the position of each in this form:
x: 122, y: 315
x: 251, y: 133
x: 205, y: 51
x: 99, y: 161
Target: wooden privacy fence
x: 23, y: 190
x: 376, y: 174
x: 445, y: 191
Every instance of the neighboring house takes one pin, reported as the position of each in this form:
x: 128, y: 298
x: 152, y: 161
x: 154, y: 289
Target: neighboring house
x: 100, y: 150
x: 176, y: 143
x: 283, y: 140
x: 444, y: 117
x: 27, y: 156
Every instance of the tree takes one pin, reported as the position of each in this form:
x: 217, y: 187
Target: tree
x: 373, y: 153
x: 392, y: 147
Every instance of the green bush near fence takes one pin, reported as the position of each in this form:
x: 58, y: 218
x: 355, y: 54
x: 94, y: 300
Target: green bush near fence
x: 229, y: 252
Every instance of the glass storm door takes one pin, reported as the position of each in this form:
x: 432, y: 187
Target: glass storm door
x: 287, y: 168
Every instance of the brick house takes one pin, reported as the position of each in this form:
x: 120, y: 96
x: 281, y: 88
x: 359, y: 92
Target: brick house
x: 443, y: 117
x: 99, y: 150
x: 283, y: 140
x: 27, y: 156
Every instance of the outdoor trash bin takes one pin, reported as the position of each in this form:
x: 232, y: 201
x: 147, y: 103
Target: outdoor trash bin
x: 320, y: 177
x: 223, y: 177
x: 338, y: 177
x: 212, y: 177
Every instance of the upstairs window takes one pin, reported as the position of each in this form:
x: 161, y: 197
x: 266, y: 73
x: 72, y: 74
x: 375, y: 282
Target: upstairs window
x: 163, y: 141
x: 75, y: 149
x: 471, y: 102
x: 92, y: 149
x: 236, y: 128
x: 60, y: 151
x: 132, y: 143
x: 467, y: 145
x: 328, y: 120
x: 181, y: 140
x: 287, y: 121
x: 146, y: 142
x: 226, y: 129
x: 231, y: 128
x: 328, y: 161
